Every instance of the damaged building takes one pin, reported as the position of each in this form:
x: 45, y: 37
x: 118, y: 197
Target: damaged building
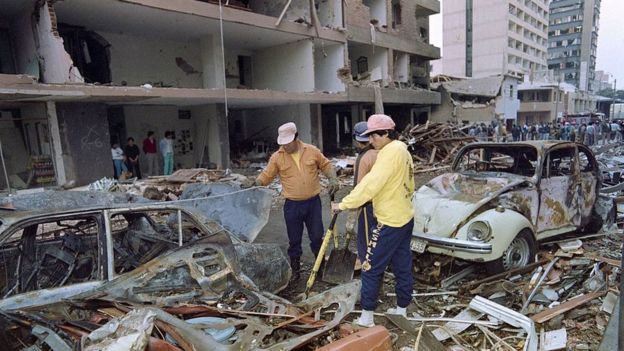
x: 476, y: 100
x: 76, y: 75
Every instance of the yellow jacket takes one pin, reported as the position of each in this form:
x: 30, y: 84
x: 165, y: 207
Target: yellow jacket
x: 389, y: 184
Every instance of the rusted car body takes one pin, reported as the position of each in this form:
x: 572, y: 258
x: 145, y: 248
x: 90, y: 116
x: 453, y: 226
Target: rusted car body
x: 501, y: 198
x: 61, y: 270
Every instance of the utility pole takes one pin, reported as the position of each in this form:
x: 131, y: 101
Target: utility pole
x: 613, y: 102
x: 557, y: 97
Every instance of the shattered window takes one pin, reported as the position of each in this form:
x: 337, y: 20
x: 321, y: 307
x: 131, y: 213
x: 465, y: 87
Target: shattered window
x: 516, y: 160
x: 585, y: 162
x: 139, y: 237
x: 559, y: 163
x: 50, y: 254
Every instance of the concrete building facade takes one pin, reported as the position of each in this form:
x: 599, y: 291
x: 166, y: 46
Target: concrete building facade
x: 550, y: 103
x: 490, y: 37
x: 76, y: 75
x: 573, y: 40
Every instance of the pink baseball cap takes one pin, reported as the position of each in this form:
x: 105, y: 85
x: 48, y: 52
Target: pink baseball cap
x: 286, y: 133
x: 378, y: 122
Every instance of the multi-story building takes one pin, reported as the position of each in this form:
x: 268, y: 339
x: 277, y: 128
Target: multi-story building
x: 572, y: 41
x: 602, y: 81
x: 549, y: 103
x: 76, y: 75
x: 492, y: 37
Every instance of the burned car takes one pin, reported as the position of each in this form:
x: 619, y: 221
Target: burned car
x: 499, y: 200
x: 161, y: 272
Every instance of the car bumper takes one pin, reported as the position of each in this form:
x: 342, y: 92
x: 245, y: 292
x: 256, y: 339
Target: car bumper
x: 452, y: 244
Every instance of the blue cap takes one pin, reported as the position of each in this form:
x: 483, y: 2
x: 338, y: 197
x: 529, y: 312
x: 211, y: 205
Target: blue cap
x: 358, y: 130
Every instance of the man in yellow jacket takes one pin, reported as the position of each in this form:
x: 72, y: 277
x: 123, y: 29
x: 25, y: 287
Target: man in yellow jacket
x: 390, y: 185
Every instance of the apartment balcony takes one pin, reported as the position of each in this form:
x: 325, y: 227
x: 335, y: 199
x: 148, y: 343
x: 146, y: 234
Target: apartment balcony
x: 426, y: 8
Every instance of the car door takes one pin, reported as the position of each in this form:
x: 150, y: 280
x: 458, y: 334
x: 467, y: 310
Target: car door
x: 58, y: 251
x: 559, y: 189
x: 589, y: 175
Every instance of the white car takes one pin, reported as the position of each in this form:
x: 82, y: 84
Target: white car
x: 502, y: 198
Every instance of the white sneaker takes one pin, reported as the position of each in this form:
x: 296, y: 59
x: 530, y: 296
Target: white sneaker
x: 401, y: 311
x: 366, y: 319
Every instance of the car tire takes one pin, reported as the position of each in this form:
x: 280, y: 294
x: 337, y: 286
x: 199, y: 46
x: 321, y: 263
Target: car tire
x: 520, y: 252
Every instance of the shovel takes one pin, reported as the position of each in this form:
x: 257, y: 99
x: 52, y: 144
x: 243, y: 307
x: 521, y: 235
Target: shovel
x: 340, y: 265
x: 319, y: 257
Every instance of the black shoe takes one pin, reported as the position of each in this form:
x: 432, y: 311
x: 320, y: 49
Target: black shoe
x: 295, y: 266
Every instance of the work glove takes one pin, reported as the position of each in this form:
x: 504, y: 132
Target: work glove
x: 333, y: 186
x: 350, y: 223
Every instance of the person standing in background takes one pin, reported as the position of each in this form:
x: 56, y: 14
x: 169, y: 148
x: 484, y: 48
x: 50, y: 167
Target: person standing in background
x: 149, y: 148
x: 166, y: 149
x: 118, y: 160
x: 364, y: 216
x: 132, y: 158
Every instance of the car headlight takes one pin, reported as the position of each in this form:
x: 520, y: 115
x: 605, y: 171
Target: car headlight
x: 479, y: 231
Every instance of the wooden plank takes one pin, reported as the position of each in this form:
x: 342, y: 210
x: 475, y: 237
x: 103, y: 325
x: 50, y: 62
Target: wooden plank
x: 184, y: 175
x: 433, y: 154
x: 565, y: 307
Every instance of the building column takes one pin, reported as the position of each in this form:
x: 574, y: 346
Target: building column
x: 220, y: 126
x: 212, y: 62
x: 57, y: 149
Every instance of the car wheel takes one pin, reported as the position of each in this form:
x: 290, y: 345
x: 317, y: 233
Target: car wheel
x: 520, y: 252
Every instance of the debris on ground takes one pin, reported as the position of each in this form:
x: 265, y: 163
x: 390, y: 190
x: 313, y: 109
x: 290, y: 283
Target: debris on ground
x: 433, y: 145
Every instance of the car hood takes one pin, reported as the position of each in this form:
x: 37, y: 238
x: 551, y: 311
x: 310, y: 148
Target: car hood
x: 447, y: 201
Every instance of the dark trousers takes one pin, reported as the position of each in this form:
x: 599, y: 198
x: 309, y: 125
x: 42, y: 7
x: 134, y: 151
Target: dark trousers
x: 134, y: 168
x: 365, y: 217
x: 388, y: 245
x: 296, y: 213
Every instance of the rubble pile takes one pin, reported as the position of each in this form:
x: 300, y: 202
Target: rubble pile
x: 433, y: 145
x: 565, y: 299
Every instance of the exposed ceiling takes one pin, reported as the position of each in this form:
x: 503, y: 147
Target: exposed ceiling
x: 139, y: 20
x: 11, y: 8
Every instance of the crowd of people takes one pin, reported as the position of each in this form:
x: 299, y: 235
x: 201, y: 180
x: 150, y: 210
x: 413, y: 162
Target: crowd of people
x: 592, y: 133
x: 126, y: 160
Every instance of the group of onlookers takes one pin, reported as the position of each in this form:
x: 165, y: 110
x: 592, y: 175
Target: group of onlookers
x: 591, y: 133
x: 126, y: 161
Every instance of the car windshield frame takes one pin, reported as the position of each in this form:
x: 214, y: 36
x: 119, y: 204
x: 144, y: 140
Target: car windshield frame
x: 496, y: 147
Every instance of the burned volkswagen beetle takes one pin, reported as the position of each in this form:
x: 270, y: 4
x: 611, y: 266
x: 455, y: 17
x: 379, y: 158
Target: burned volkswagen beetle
x: 500, y: 199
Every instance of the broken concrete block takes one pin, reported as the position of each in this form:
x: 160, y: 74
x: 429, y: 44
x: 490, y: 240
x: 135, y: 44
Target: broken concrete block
x: 554, y: 340
x: 376, y: 338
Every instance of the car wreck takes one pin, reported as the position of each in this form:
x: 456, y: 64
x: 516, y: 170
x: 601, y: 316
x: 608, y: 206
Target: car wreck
x: 499, y: 200
x: 162, y: 275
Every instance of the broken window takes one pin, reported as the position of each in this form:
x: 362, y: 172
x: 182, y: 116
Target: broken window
x: 51, y: 254
x: 7, y: 65
x: 396, y: 13
x: 139, y: 237
x: 362, y: 64
x: 89, y: 52
x: 559, y: 163
x: 244, y: 71
x: 516, y: 160
x: 586, y: 162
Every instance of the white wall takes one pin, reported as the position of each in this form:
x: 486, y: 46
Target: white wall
x: 378, y: 11
x: 269, y: 119
x: 212, y: 62
x: 139, y: 60
x: 454, y: 38
x: 330, y: 13
x: 288, y: 67
x: 508, y: 105
x: 376, y: 59
x: 26, y: 61
x: 58, y: 66
x: 142, y: 118
x: 206, y: 119
x: 326, y: 67
x: 489, y: 37
x: 401, y: 67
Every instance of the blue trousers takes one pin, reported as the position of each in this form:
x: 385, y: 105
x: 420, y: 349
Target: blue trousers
x: 120, y: 166
x: 365, y: 217
x: 388, y: 245
x: 298, y: 213
x: 168, y: 163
